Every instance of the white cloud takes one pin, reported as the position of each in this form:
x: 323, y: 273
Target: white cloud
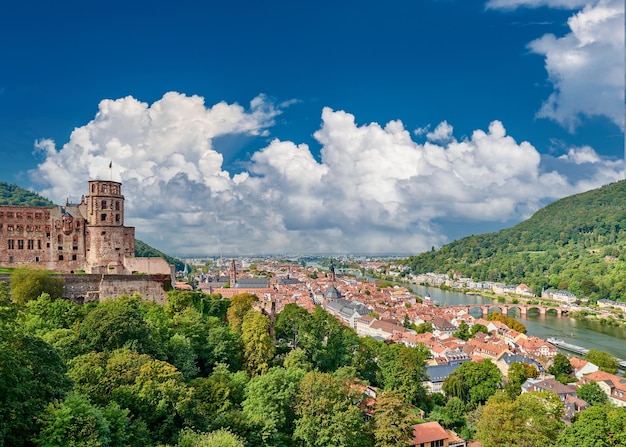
x: 581, y: 155
x: 442, y: 133
x: 585, y: 66
x: 373, y: 189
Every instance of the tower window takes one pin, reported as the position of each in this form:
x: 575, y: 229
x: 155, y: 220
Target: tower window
x: 117, y: 218
x: 117, y: 206
x: 104, y: 205
x: 60, y: 239
x: 103, y: 217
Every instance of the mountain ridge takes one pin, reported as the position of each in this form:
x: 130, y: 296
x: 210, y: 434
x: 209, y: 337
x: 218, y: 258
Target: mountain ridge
x: 577, y: 243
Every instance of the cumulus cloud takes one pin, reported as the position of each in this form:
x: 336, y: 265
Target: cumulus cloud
x: 372, y: 189
x: 586, y: 65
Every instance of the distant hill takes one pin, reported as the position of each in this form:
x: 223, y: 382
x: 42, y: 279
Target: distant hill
x: 577, y: 243
x: 15, y: 195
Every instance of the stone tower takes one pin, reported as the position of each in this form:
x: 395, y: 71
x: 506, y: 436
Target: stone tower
x: 107, y: 240
x: 233, y: 273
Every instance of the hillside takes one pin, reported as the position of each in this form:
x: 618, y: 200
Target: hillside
x: 15, y: 195
x: 577, y: 243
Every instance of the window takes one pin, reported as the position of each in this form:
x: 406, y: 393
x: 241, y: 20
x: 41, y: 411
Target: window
x: 104, y: 205
x: 117, y: 206
x: 20, y: 244
x: 60, y: 257
x: 11, y: 259
x: 9, y: 227
x: 11, y: 244
x: 117, y: 218
x: 103, y: 217
x: 10, y: 215
x: 93, y: 188
x: 36, y: 258
x: 39, y: 244
x: 73, y: 257
x: 31, y: 244
x: 59, y: 239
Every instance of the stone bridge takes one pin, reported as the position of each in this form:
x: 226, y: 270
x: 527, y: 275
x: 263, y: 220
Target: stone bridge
x: 512, y: 310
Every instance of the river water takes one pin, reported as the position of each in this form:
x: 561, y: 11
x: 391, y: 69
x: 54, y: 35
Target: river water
x: 588, y: 334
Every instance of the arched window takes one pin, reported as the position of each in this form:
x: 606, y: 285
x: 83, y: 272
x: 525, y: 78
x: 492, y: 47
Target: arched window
x: 103, y: 217
x: 104, y: 205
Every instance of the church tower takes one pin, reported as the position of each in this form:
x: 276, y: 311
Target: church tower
x: 108, y: 241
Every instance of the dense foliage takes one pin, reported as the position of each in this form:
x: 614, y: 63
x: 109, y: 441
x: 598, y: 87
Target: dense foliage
x: 14, y: 195
x: 203, y: 371
x: 577, y: 243
x: 198, y: 371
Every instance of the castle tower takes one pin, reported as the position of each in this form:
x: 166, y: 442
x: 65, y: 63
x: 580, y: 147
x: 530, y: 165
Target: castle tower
x: 108, y: 241
x: 233, y: 273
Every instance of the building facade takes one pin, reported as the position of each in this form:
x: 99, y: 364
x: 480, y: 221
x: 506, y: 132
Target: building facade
x: 88, y: 237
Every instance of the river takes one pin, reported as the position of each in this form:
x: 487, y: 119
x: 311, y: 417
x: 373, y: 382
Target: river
x: 588, y: 334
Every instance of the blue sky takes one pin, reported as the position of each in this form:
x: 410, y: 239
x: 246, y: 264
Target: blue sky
x: 314, y: 127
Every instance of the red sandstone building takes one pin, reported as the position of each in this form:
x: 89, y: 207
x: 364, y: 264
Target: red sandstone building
x: 89, y: 236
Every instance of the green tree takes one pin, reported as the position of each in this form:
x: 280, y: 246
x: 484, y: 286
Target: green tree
x: 473, y: 382
x: 258, y: 346
x: 325, y: 414
x: 603, y: 360
x: 517, y: 375
x: 114, y: 324
x: 75, y: 422
x: 561, y: 368
x: 597, y: 426
x: 45, y: 314
x: 31, y: 376
x: 424, y: 327
x: 28, y: 285
x: 478, y: 328
x: 268, y: 405
x: 239, y: 306
x: 393, y: 420
x: 218, y: 438
x: 463, y: 331
x: 403, y: 369
x: 531, y: 420
x: 592, y: 394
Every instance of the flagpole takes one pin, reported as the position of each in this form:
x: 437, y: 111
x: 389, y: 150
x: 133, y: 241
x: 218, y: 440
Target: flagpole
x: 111, y: 169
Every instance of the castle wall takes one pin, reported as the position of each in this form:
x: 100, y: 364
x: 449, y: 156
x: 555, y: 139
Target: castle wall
x: 92, y: 288
x: 89, y: 237
x: 51, y: 238
x: 150, y: 287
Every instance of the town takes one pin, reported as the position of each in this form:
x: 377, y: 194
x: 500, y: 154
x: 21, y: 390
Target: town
x: 390, y: 312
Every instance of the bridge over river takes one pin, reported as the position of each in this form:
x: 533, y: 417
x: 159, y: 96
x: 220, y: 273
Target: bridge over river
x: 511, y: 310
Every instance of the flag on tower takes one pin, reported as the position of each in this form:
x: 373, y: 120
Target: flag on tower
x: 111, y: 164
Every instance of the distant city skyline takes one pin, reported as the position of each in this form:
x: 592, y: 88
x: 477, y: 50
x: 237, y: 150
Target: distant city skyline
x: 314, y: 127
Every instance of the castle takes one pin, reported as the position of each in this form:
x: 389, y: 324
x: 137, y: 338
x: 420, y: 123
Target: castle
x: 89, y: 237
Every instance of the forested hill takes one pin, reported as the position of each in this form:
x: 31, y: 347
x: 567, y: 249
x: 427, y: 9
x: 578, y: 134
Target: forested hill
x: 577, y: 243
x: 15, y: 195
